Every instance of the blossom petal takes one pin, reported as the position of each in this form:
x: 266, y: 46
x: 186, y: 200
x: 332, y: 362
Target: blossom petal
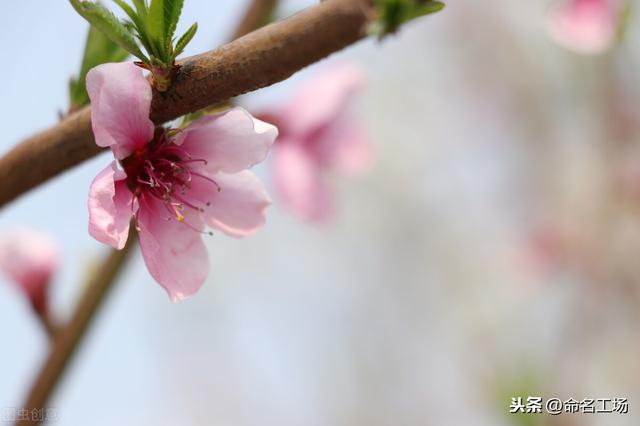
x: 110, y: 207
x: 585, y: 26
x: 300, y: 183
x: 230, y: 142
x: 120, y: 104
x: 321, y: 100
x: 238, y: 209
x: 173, y: 251
x: 343, y: 146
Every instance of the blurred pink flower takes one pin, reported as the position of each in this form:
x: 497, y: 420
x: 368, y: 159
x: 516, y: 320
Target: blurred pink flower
x: 585, y: 26
x: 318, y: 135
x: 29, y: 259
x: 173, y: 183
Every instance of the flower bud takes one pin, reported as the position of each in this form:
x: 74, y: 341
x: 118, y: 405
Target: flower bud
x: 29, y: 259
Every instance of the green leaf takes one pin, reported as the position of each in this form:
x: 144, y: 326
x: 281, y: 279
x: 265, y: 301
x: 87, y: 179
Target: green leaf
x: 156, y: 27
x: 162, y: 23
x: 393, y: 13
x: 139, y: 23
x: 99, y: 49
x: 172, y: 11
x: 422, y: 10
x: 158, y: 49
x: 135, y: 18
x: 141, y: 8
x: 144, y: 40
x: 185, y: 39
x: 105, y: 21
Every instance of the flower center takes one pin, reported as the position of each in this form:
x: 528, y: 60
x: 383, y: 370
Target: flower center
x: 164, y: 171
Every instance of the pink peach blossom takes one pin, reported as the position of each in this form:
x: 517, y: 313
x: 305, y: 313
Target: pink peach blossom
x: 173, y: 183
x: 585, y: 26
x: 318, y: 135
x: 29, y: 259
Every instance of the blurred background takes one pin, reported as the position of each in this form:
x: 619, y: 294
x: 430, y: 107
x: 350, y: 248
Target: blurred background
x: 490, y: 252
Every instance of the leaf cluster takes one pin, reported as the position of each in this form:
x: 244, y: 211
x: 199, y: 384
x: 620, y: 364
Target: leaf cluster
x: 147, y: 34
x: 393, y: 13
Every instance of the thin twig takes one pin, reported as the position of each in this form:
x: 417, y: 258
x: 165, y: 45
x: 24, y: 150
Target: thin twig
x: 48, y: 324
x: 255, y: 17
x: 67, y: 339
x: 259, y: 59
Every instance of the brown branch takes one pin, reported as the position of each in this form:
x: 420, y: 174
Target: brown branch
x: 259, y: 59
x: 67, y: 339
x: 255, y: 17
x: 263, y: 57
x: 49, y: 325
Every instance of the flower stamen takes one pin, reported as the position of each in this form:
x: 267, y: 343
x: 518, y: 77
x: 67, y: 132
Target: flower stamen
x: 163, y: 170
